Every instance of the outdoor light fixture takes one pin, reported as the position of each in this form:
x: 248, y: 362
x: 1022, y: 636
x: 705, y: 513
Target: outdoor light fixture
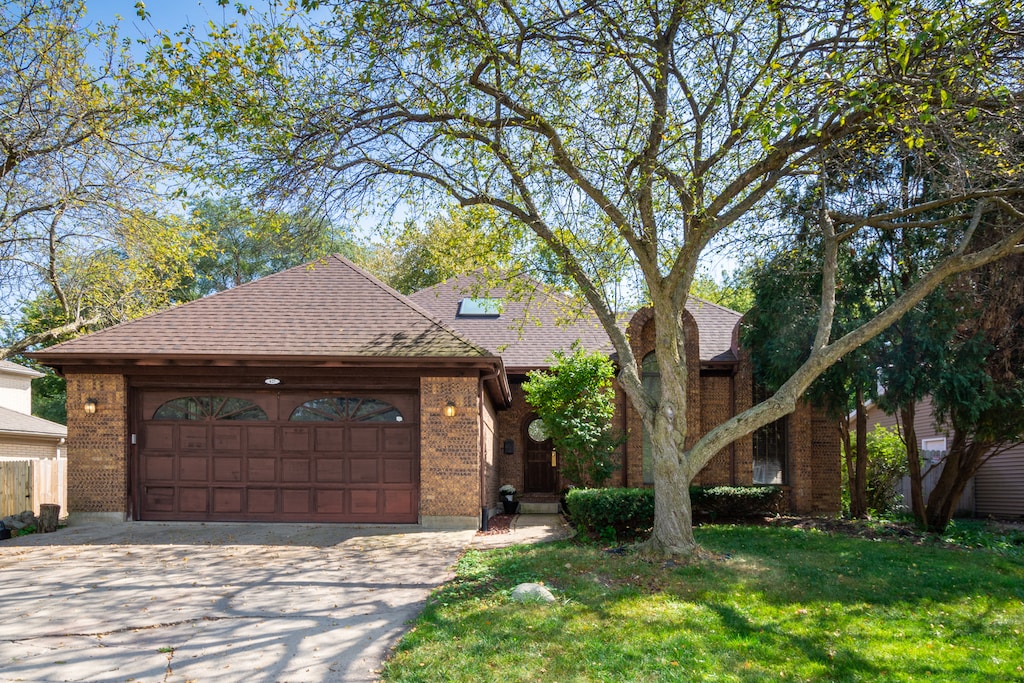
x: 272, y: 381
x: 90, y: 406
x: 449, y: 410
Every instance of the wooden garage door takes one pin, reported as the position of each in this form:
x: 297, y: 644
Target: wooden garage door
x: 278, y: 457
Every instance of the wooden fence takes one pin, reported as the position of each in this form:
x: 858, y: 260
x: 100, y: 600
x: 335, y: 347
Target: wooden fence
x: 25, y: 484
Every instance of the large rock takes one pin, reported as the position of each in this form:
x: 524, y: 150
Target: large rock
x: 532, y: 592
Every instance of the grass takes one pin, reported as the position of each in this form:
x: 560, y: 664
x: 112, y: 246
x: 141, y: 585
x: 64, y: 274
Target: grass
x: 783, y: 604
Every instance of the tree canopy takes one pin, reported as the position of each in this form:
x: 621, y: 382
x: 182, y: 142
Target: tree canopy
x: 630, y: 138
x: 84, y: 236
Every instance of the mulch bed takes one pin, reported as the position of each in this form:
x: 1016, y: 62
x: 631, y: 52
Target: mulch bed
x: 498, y: 524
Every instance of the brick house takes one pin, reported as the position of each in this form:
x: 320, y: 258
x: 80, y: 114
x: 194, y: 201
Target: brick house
x: 319, y: 394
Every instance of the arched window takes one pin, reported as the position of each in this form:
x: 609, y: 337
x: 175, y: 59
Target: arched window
x: 342, y: 409
x: 651, y: 378
x: 209, y: 408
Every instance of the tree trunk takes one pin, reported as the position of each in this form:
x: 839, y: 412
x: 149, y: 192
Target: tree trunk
x: 961, y: 463
x: 907, y: 413
x: 48, y: 515
x: 673, y: 520
x: 858, y: 480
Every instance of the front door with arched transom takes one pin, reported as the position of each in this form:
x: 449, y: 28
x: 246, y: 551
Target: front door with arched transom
x: 539, y: 462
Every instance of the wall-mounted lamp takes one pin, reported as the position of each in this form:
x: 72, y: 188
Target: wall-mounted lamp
x: 90, y: 406
x: 449, y: 410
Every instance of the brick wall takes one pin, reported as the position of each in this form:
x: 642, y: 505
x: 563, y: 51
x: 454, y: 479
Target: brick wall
x: 716, y: 392
x: 97, y: 444
x: 512, y: 425
x: 450, y: 448
x: 826, y: 466
x: 492, y: 450
x: 641, y: 338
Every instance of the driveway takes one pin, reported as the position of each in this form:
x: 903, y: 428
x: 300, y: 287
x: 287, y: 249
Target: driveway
x: 213, y: 602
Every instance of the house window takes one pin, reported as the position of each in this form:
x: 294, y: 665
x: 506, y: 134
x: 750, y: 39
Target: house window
x: 482, y: 307
x: 651, y: 378
x: 937, y: 443
x: 342, y: 409
x: 209, y: 408
x: 770, y: 447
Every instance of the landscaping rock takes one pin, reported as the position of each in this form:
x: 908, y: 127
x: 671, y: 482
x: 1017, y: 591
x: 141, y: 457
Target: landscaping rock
x: 19, y: 521
x: 532, y: 592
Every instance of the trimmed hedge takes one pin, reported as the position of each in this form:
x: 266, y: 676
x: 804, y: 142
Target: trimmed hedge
x: 629, y: 512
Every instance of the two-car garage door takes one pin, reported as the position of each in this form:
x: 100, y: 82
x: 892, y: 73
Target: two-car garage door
x: 277, y: 456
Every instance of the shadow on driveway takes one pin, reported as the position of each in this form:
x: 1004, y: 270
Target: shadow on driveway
x: 214, y: 602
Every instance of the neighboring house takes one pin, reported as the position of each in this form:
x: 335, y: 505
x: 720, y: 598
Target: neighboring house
x: 319, y: 394
x: 999, y: 484
x: 24, y: 436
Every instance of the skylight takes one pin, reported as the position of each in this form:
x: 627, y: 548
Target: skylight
x: 480, y: 308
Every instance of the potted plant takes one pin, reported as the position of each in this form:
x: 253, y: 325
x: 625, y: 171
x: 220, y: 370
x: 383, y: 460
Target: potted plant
x: 508, y: 499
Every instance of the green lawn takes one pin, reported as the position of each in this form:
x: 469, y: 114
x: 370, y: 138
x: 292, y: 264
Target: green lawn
x: 782, y: 604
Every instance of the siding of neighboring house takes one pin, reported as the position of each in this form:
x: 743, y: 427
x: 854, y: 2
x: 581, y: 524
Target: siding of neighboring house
x: 999, y: 483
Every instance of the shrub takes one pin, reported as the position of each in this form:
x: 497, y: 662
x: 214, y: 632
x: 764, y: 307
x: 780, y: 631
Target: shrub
x: 630, y: 512
x: 735, y: 501
x: 599, y: 512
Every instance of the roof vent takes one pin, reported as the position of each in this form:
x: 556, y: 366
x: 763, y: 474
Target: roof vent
x: 480, y: 308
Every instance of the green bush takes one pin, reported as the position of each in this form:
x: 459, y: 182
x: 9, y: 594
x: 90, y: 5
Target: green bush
x: 630, y: 512
x: 735, y: 501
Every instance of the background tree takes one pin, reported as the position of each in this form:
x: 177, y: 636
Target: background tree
x: 80, y: 224
x: 575, y: 398
x: 651, y: 129
x: 246, y: 243
x: 452, y: 243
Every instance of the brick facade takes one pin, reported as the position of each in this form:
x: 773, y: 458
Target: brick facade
x: 450, y: 451
x: 98, y: 444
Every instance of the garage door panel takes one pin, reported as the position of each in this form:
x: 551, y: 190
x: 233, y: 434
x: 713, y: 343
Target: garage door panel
x: 193, y: 438
x: 227, y: 438
x: 295, y: 469
x: 364, y: 501
x: 227, y: 469
x: 364, y: 470
x: 261, y: 438
x: 295, y: 439
x: 193, y: 499
x: 158, y: 437
x: 345, y: 458
x: 193, y: 468
x: 330, y: 439
x: 159, y: 498
x: 365, y: 439
x: 330, y: 502
x: 399, y: 502
x: 295, y: 501
x: 398, y: 440
x: 261, y: 469
x: 398, y: 471
x: 330, y: 470
x: 261, y: 501
x: 227, y: 501
x: 158, y: 467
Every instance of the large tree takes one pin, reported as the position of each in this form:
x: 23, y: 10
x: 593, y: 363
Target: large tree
x: 648, y: 130
x: 80, y: 227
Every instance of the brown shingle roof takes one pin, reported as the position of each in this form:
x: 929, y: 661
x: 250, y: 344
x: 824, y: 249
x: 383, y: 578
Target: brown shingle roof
x: 328, y: 308
x: 20, y: 424
x: 528, y: 331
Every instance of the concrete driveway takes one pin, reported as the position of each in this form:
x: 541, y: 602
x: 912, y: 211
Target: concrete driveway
x: 213, y: 602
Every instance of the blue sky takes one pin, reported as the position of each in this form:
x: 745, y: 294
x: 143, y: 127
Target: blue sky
x: 168, y: 15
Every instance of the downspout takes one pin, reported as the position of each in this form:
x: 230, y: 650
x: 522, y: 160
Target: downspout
x: 484, y: 513
x: 732, y: 446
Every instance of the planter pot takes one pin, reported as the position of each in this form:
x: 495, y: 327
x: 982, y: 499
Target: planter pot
x: 511, y: 506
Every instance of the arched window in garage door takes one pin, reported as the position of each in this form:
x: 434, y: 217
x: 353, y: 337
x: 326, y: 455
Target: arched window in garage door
x: 343, y: 409
x: 209, y: 408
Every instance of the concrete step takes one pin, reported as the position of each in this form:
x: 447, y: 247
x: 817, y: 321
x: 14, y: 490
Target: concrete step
x: 530, y: 508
